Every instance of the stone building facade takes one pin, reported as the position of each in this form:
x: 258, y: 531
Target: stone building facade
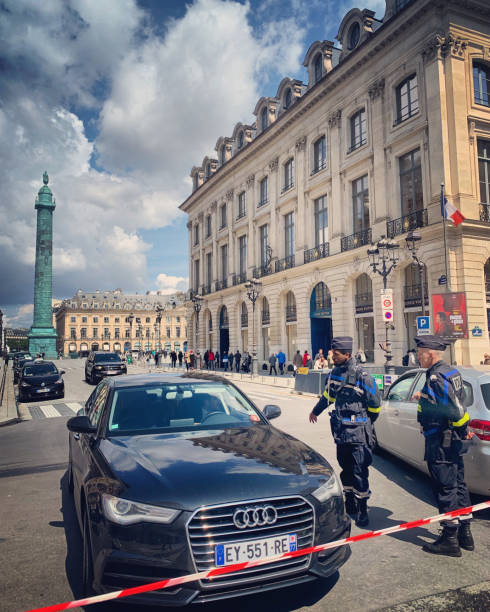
x: 114, y: 321
x: 327, y: 167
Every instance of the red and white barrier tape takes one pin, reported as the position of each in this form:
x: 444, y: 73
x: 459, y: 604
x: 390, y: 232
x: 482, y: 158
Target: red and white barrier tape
x: 219, y: 571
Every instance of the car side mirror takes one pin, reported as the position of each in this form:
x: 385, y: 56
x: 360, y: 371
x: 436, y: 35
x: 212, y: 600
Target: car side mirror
x: 81, y: 424
x: 61, y: 372
x: 271, y: 412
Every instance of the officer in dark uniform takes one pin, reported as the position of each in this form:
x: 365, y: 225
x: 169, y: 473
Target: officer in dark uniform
x: 357, y: 405
x: 444, y: 421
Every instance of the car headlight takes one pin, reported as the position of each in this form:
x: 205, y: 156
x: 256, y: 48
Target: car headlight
x: 330, y: 489
x: 98, y: 367
x: 24, y: 384
x: 127, y: 512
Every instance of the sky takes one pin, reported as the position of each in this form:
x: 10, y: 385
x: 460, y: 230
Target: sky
x: 117, y: 100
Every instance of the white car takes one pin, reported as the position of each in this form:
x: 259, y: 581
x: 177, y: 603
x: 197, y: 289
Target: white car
x: 398, y: 431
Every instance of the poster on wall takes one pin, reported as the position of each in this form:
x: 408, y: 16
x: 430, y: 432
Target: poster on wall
x: 450, y: 319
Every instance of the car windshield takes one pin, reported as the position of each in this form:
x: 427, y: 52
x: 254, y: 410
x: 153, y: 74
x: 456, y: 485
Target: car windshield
x: 485, y: 391
x: 107, y: 357
x: 182, y: 407
x: 43, y: 369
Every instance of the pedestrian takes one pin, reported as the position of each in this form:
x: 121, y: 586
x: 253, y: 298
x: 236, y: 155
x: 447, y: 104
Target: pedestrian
x: 180, y: 356
x: 198, y: 360
x: 238, y: 357
x: 444, y: 421
x: 192, y: 360
x: 230, y: 360
x: 216, y: 360
x: 318, y: 355
x: 187, y: 360
x: 211, y: 359
x: 281, y: 360
x: 297, y: 361
x: 486, y: 359
x: 361, y: 355
x: 225, y: 361
x: 330, y: 362
x: 320, y: 363
x: 206, y: 359
x: 272, y: 364
x: 357, y: 405
x: 306, y: 359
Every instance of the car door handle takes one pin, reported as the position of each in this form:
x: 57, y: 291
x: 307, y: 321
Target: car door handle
x: 76, y: 436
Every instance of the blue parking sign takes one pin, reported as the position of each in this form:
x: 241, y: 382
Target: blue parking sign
x: 423, y: 326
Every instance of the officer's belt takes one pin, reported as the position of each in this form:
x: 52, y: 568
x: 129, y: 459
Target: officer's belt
x: 432, y: 431
x: 354, y: 419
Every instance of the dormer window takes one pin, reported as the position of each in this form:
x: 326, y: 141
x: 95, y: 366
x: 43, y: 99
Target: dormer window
x: 196, y: 181
x: 241, y: 138
x: 354, y: 35
x: 288, y: 98
x: 208, y: 170
x: 223, y: 155
x: 264, y: 121
x: 318, y: 68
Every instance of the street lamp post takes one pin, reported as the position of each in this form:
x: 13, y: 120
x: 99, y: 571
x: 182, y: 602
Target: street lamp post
x: 411, y: 240
x: 130, y: 321
x: 383, y: 258
x: 253, y: 288
x: 197, y: 304
x: 158, y: 325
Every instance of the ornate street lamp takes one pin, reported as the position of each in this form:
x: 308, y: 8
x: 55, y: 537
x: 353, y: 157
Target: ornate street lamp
x: 383, y: 258
x: 411, y: 240
x: 158, y: 325
x: 197, y: 305
x: 253, y: 288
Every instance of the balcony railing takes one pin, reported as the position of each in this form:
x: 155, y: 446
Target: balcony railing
x: 285, y: 263
x: 290, y: 314
x: 241, y: 214
x: 261, y: 271
x: 356, y: 145
x: 404, y: 115
x: 485, y: 213
x: 418, y: 218
x: 221, y: 284
x: 287, y: 186
x: 206, y: 289
x: 318, y: 252
x: 244, y: 320
x: 319, y: 166
x: 413, y: 296
x: 363, y: 302
x: 263, y: 202
x: 266, y: 317
x: 238, y: 279
x: 356, y: 240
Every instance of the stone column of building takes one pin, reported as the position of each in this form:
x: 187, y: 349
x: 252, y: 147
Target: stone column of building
x: 380, y: 204
x: 335, y: 205
x: 275, y: 190
x: 299, y: 216
x: 42, y: 335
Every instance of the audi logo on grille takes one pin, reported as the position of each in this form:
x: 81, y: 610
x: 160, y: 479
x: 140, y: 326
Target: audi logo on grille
x: 254, y: 517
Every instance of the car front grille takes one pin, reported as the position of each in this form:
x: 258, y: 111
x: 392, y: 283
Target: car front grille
x: 213, y: 525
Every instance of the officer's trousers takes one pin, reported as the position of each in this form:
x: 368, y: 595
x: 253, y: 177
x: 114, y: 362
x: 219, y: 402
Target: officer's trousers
x: 446, y: 469
x: 355, y: 459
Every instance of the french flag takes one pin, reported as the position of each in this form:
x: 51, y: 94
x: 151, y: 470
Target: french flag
x: 448, y: 211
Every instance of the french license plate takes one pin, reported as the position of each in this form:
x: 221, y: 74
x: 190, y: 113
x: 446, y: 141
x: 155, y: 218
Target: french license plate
x: 112, y: 371
x: 251, y: 550
x: 43, y: 390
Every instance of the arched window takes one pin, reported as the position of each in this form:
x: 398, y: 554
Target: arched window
x: 290, y: 307
x: 264, y: 118
x: 317, y: 68
x: 266, y: 316
x: 321, y: 303
x: 241, y: 139
x: 364, y: 294
x: 354, y: 35
x: 288, y: 98
x: 223, y: 318
x: 244, y: 315
x: 210, y: 323
x: 208, y: 170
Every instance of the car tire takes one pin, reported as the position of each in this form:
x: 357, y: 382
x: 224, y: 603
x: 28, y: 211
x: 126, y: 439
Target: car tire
x: 87, y: 561
x: 86, y: 377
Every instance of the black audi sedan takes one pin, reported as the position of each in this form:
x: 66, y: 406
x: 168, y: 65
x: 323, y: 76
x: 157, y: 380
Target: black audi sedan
x: 173, y: 475
x: 40, y: 379
x: 102, y: 363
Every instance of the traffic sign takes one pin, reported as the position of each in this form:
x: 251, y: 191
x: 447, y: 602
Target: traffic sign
x: 477, y: 331
x: 387, y: 305
x: 423, y: 326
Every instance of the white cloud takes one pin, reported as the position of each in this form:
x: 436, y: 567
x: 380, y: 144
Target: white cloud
x: 171, y: 284
x: 22, y: 316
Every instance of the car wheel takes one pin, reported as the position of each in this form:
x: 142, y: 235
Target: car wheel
x: 86, y: 377
x: 87, y: 562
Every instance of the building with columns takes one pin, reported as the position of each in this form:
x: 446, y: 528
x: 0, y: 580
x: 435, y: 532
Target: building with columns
x: 115, y: 321
x: 356, y: 153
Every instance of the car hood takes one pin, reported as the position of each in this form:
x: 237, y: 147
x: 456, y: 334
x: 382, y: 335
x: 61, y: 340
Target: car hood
x: 35, y: 381
x: 190, y: 469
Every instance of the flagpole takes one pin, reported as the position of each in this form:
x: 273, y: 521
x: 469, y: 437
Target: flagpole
x: 446, y: 263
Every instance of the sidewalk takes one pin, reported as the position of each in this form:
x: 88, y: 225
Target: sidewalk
x: 8, y: 403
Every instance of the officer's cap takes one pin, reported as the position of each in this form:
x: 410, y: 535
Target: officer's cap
x: 342, y: 343
x: 431, y: 342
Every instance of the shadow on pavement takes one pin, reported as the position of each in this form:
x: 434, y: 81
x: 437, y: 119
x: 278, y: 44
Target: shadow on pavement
x: 379, y: 519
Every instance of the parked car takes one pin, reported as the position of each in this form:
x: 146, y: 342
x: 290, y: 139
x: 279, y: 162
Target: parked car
x: 398, y: 432
x: 18, y: 364
x: 101, y: 363
x: 175, y: 474
x: 40, y: 379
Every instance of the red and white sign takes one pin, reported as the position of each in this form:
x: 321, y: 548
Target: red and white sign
x: 387, y: 305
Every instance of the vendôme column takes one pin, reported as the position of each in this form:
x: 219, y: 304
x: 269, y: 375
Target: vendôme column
x: 42, y: 335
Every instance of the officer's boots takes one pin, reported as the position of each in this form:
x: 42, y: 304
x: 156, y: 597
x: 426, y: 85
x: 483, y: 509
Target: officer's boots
x: 362, y: 514
x: 465, y: 538
x: 351, y: 504
x: 446, y: 544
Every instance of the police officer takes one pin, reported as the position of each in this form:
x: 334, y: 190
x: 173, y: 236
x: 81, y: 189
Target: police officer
x: 357, y: 405
x: 444, y: 421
